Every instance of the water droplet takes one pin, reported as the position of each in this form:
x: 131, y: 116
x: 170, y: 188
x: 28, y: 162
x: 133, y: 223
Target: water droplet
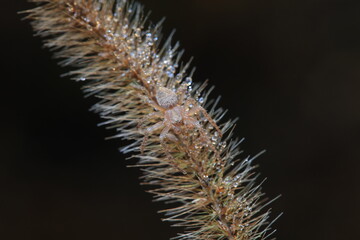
x: 137, y: 32
x: 188, y: 81
x: 149, y: 39
x: 227, y: 180
x: 201, y: 100
x: 86, y: 19
x: 170, y: 71
x: 205, y: 177
x: 241, y: 227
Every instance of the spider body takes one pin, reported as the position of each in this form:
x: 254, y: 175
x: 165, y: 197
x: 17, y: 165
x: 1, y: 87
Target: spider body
x: 173, y: 115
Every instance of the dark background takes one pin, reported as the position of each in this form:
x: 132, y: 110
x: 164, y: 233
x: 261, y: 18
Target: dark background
x: 289, y: 70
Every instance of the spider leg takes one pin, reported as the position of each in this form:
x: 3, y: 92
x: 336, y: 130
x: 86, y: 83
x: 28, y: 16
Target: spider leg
x: 165, y: 134
x: 147, y: 117
x: 198, y: 108
x: 147, y: 132
x: 155, y: 105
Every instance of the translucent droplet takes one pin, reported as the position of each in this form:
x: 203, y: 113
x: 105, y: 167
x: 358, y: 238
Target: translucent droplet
x: 149, y: 39
x: 201, y: 100
x: 178, y: 78
x: 227, y: 180
x: 231, y: 195
x: 205, y: 177
x: 137, y: 32
x: 188, y: 81
x: 170, y: 71
x: 241, y: 227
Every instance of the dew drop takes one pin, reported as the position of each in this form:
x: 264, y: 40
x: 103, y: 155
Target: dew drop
x: 137, y: 32
x: 149, y: 39
x: 170, y: 71
x: 227, y: 180
x: 188, y: 81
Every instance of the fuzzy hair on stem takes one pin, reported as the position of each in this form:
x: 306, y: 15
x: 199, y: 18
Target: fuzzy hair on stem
x: 184, y: 148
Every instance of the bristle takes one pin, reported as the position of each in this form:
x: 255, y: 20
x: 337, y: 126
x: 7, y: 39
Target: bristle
x: 187, y: 152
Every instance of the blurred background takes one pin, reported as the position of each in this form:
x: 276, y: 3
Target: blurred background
x: 288, y: 69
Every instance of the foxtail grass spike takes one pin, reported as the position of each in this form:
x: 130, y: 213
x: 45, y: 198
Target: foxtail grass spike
x: 183, y: 145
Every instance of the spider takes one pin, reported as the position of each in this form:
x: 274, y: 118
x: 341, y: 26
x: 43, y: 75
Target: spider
x: 174, y: 115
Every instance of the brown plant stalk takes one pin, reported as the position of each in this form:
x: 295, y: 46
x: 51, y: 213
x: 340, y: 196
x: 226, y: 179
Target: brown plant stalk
x: 148, y: 96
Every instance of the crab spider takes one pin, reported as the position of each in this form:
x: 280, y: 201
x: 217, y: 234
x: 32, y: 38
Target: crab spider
x: 174, y: 115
